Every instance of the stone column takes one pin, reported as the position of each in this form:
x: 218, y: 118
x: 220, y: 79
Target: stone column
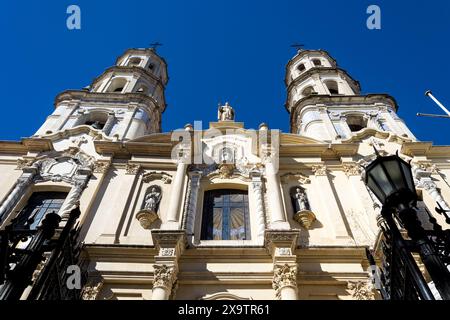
x: 176, y: 195
x: 422, y: 175
x: 17, y: 191
x: 277, y: 215
x: 257, y: 188
x: 170, y: 245
x: 281, y: 245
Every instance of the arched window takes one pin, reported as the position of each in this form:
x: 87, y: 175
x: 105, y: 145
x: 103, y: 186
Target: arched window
x: 225, y: 215
x: 38, y: 205
x: 97, y: 120
x: 117, y: 85
x: 301, y: 67
x: 308, y: 91
x: 317, y: 62
x: 135, y: 61
x: 332, y: 87
x: 356, y: 122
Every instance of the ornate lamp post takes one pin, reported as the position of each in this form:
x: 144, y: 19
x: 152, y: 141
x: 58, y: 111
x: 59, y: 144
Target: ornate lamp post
x: 391, y: 180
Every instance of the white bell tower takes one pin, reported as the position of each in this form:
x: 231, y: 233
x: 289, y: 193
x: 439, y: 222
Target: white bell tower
x: 325, y: 102
x: 125, y: 102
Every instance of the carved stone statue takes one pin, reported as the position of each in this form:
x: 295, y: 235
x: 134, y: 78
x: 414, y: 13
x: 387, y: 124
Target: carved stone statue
x: 225, y: 113
x: 152, y: 199
x: 148, y: 214
x: 302, y: 210
x: 301, y: 201
x: 227, y: 155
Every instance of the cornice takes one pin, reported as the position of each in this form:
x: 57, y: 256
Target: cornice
x: 324, y: 150
x: 319, y: 70
x: 131, y: 69
x: 427, y: 149
x: 62, y: 134
x: 107, y: 97
x: 13, y: 147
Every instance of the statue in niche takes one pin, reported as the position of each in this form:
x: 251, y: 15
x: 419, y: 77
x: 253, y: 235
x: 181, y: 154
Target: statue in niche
x: 302, y: 210
x: 148, y: 214
x: 152, y: 199
x: 225, y: 113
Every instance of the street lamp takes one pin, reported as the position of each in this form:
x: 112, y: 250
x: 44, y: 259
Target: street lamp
x: 390, y: 179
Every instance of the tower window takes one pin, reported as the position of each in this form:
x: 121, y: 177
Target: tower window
x: 308, y: 91
x: 317, y: 62
x: 225, y: 215
x: 356, y: 123
x: 117, y: 85
x: 151, y: 66
x: 142, y: 89
x: 134, y: 61
x: 301, y: 67
x: 332, y: 87
x: 38, y: 205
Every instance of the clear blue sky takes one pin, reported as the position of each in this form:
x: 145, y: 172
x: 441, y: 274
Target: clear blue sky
x: 233, y: 50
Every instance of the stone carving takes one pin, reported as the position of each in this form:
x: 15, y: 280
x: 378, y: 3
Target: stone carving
x: 101, y: 166
x: 225, y: 113
x: 351, y: 169
x: 319, y: 170
x: 361, y: 290
x: 284, y: 276
x: 132, y: 168
x: 148, y: 213
x: 155, y: 175
x: 302, y: 211
x: 167, y: 252
x: 164, y: 276
x: 226, y: 170
x: 227, y: 155
x: 22, y: 163
x: 283, y: 251
x: 295, y: 176
x: 91, y: 290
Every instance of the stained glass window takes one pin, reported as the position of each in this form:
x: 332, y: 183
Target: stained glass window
x: 225, y: 215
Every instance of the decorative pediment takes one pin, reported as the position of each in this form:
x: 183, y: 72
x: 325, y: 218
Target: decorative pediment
x: 157, y: 175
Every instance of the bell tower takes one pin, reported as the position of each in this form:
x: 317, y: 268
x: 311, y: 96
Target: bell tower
x: 125, y: 102
x: 325, y: 102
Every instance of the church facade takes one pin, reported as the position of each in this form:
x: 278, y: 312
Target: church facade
x: 220, y: 212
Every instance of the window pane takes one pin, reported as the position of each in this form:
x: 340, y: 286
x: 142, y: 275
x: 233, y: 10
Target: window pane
x: 217, y: 224
x: 225, y: 215
x: 237, y: 225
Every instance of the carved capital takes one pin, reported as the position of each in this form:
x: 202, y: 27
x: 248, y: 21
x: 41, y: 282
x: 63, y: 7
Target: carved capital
x: 164, y: 276
x: 174, y: 239
x: 351, y: 169
x: 280, y: 239
x: 92, y: 289
x: 101, y: 166
x: 319, y: 170
x: 284, y: 275
x: 361, y: 290
x: 132, y: 168
x: 23, y: 163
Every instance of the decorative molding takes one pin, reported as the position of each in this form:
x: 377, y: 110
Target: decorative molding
x: 223, y: 296
x: 284, y: 275
x: 132, y: 168
x: 361, y: 290
x: 298, y: 177
x: 226, y: 170
x: 319, y: 170
x: 146, y: 218
x: 24, y: 162
x: 157, y: 175
x: 305, y: 218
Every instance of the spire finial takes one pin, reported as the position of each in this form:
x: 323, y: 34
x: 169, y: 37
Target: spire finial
x: 155, y: 45
x: 298, y: 46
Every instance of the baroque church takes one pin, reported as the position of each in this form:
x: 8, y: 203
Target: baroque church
x: 222, y: 212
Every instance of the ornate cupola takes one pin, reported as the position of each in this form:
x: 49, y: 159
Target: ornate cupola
x: 125, y: 102
x: 325, y: 102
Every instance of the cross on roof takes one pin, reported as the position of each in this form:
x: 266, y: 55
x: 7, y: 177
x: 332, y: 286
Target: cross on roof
x: 297, y: 46
x: 155, y: 45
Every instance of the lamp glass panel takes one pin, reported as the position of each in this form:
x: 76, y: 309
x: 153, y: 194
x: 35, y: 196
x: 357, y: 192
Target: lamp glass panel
x: 395, y: 173
x: 373, y: 186
x: 408, y: 176
x: 380, y: 177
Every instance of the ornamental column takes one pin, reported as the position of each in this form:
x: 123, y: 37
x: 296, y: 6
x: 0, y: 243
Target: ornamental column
x: 19, y: 189
x: 281, y: 244
x: 277, y: 216
x: 193, y: 188
x: 176, y: 194
x: 170, y: 245
x: 257, y: 188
